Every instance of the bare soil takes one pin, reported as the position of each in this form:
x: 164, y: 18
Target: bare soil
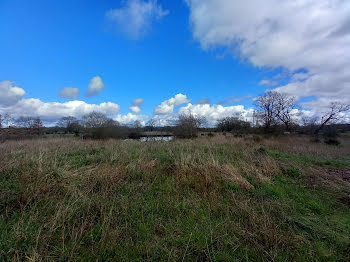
x: 341, y: 173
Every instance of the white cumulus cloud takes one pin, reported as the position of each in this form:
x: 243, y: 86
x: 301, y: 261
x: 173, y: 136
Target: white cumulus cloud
x: 311, y: 36
x: 135, y: 109
x: 136, y: 17
x: 136, y: 103
x: 9, y: 93
x: 130, y: 119
x: 95, y: 87
x: 167, y: 106
x: 213, y: 113
x: 13, y: 103
x: 69, y: 92
x: 52, y: 111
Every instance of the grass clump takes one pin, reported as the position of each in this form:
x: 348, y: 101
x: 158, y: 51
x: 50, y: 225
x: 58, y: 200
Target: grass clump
x: 218, y: 199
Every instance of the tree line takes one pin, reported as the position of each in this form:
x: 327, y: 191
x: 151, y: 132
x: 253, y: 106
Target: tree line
x: 274, y: 112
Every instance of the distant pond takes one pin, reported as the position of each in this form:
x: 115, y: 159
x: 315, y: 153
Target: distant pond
x: 156, y: 138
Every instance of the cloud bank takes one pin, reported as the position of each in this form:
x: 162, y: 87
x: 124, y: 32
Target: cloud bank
x: 12, y: 102
x: 312, y: 36
x: 216, y: 112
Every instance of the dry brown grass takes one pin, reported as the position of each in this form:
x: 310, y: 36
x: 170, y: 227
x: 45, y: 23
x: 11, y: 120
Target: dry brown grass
x: 304, y: 145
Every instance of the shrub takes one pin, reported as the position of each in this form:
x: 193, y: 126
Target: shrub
x: 332, y: 141
x: 330, y: 133
x: 262, y: 150
x: 211, y: 135
x: 187, y: 126
x: 233, y: 124
x: 257, y: 138
x: 292, y: 172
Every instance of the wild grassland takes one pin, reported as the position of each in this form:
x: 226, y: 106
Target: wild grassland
x: 208, y: 199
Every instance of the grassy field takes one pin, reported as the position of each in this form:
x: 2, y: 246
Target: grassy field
x: 208, y: 199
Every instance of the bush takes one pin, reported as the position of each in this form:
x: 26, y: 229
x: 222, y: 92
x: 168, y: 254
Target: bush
x: 257, y: 139
x: 262, y: 150
x: 187, y: 126
x: 332, y: 141
x: 291, y: 172
x: 233, y: 124
x: 330, y: 133
x: 211, y: 135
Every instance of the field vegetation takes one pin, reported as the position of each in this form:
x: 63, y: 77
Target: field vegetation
x: 212, y: 198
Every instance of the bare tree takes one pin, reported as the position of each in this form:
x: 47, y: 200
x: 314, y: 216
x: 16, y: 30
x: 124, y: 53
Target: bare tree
x: 274, y: 108
x: 187, y: 125
x: 66, y: 121
x: 151, y: 124
x: 284, y: 109
x: 70, y: 123
x: 24, y: 121
x: 95, y: 119
x: 37, y: 126
x: 333, y: 115
x: 267, y: 104
x: 137, y: 124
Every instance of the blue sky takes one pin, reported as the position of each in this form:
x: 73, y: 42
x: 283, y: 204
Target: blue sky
x: 50, y: 44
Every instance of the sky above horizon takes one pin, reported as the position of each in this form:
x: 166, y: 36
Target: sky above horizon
x: 138, y: 59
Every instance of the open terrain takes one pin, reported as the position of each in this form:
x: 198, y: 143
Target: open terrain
x: 220, y: 198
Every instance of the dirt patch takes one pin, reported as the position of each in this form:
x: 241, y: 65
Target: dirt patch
x: 341, y: 173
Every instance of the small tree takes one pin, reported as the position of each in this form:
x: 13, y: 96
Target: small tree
x: 187, y: 126
x: 70, y: 123
x: 99, y: 126
x: 95, y: 120
x: 284, y: 109
x: 267, y: 105
x: 151, y: 124
x: 232, y: 124
x: 275, y: 108
x: 37, y: 126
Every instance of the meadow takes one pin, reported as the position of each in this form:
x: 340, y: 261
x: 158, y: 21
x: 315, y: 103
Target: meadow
x: 220, y: 198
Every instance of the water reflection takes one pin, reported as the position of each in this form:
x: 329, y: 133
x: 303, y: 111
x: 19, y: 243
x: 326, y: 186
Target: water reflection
x: 156, y: 138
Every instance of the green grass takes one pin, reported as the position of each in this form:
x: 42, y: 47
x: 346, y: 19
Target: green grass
x: 201, y: 200
x: 308, y: 160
